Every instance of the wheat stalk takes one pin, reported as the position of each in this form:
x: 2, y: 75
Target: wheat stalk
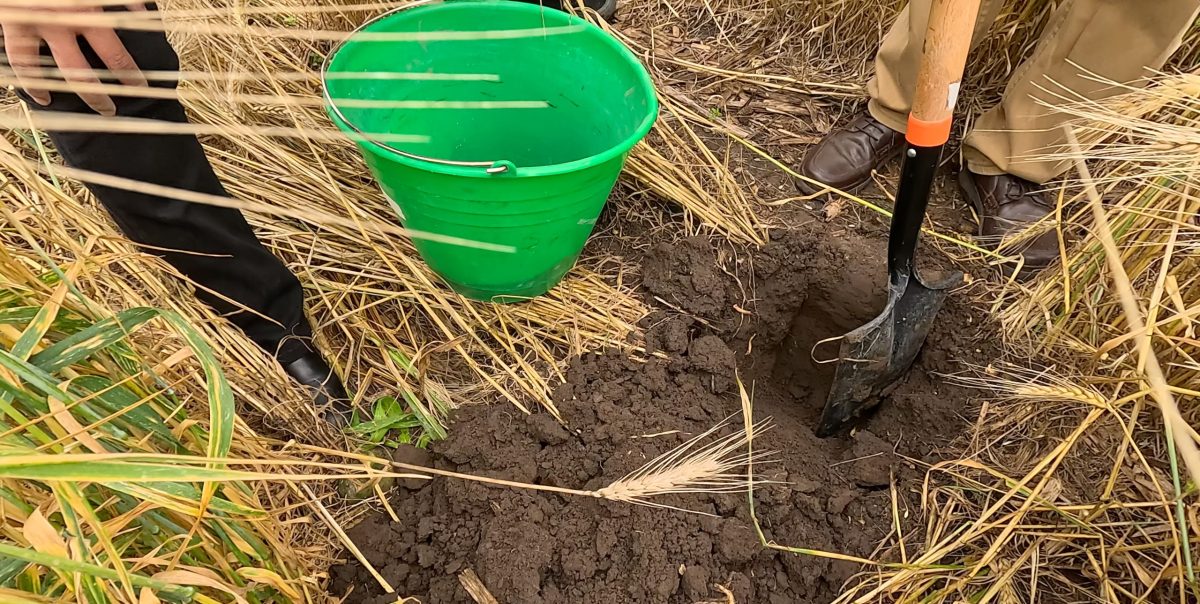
x: 701, y: 464
x: 705, y: 463
x: 1028, y: 383
x: 1177, y: 427
x: 154, y: 92
x: 227, y: 202
x: 48, y: 69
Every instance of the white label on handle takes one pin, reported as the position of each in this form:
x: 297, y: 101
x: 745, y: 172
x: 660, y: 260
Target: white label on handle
x: 952, y: 95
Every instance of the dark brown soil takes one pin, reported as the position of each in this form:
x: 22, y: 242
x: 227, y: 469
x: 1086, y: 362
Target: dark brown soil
x: 760, y: 315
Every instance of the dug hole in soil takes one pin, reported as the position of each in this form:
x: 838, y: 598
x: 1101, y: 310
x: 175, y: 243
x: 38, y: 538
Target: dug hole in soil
x: 833, y: 494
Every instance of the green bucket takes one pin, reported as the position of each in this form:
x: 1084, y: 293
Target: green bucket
x: 500, y: 170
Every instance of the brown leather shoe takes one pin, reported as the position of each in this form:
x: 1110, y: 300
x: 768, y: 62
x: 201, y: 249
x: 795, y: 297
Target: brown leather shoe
x: 845, y: 158
x: 1005, y: 205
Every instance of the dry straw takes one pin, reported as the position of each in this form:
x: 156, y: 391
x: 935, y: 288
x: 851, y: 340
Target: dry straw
x: 1074, y: 489
x: 387, y: 320
x: 85, y: 379
x: 266, y: 485
x: 1177, y: 428
x: 100, y: 461
x: 1071, y: 491
x: 1068, y: 491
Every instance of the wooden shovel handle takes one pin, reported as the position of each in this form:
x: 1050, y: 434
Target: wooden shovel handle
x: 944, y: 56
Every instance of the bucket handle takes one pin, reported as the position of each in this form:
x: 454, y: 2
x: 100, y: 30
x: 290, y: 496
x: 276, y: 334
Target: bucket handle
x: 500, y: 166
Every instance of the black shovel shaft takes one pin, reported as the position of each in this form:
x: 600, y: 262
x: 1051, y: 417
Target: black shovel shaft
x: 916, y: 181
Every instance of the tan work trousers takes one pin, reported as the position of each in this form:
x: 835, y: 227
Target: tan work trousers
x: 1118, y: 40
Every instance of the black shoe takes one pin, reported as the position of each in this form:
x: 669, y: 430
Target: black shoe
x: 329, y: 395
x: 607, y: 9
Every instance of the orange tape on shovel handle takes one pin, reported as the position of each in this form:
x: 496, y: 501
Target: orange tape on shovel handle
x: 921, y: 133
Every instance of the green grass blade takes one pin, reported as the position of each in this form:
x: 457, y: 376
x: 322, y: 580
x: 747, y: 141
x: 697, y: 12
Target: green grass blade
x: 80, y: 354
x: 10, y: 392
x: 96, y: 593
x: 219, y: 530
x: 13, y: 392
x: 81, y: 345
x: 36, y: 330
x: 429, y: 423
x: 14, y: 440
x: 9, y: 569
x: 19, y: 315
x: 386, y: 423
x: 59, y: 467
x: 175, y: 593
x: 221, y: 408
x: 40, y: 380
x: 402, y: 360
x: 157, y: 527
x: 12, y: 499
x: 82, y: 546
x: 73, y: 496
x: 45, y: 383
x: 169, y: 494
x: 260, y: 549
x: 115, y: 398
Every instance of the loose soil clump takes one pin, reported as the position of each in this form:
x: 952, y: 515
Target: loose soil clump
x: 758, y: 318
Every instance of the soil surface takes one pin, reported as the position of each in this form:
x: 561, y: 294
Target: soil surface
x: 758, y: 315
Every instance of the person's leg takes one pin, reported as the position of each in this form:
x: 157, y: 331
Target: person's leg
x: 846, y: 156
x: 215, y: 247
x: 899, y: 59
x: 1086, y: 42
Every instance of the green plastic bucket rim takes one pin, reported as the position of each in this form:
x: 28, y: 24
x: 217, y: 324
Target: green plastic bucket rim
x: 499, y: 166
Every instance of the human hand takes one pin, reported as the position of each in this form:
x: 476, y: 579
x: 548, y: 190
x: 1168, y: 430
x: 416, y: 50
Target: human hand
x: 22, y: 44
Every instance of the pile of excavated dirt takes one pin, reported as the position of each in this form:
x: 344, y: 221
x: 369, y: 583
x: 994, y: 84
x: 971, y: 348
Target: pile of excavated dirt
x: 761, y: 319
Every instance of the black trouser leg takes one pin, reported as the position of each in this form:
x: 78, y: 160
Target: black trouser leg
x: 215, y: 247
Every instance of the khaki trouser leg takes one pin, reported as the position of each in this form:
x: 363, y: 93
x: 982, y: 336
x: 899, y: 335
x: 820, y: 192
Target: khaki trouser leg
x: 1118, y: 40
x: 899, y: 58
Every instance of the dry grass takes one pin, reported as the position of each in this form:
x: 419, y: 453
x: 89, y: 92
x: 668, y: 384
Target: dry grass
x: 273, y: 147
x: 386, y: 319
x: 264, y: 538
x: 120, y: 276
x: 1078, y: 483
x: 1071, y: 490
x: 286, y: 515
x: 370, y: 296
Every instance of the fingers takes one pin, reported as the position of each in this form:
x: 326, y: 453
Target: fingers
x: 136, y: 6
x: 116, y: 57
x: 22, y: 48
x: 75, y: 68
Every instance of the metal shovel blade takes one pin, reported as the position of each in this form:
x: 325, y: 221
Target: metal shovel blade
x: 873, y: 357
